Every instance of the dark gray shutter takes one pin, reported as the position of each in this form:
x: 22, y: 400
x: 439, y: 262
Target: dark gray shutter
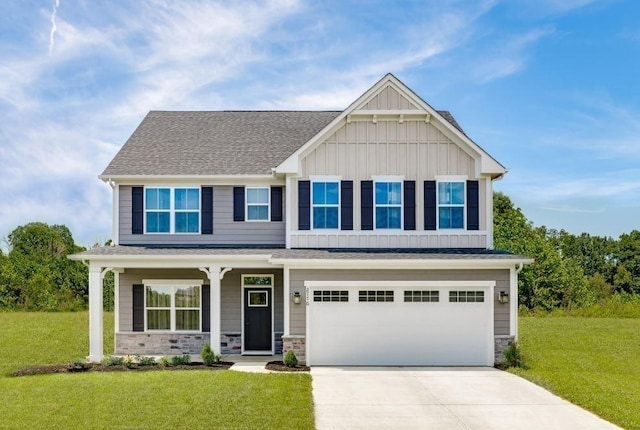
x: 346, y: 205
x: 137, y: 210
x: 430, y: 205
x: 238, y: 203
x: 473, y: 206
x: 138, y: 307
x: 304, y: 205
x: 206, y: 210
x: 409, y: 205
x: 206, y: 309
x: 276, y: 203
x: 366, y: 212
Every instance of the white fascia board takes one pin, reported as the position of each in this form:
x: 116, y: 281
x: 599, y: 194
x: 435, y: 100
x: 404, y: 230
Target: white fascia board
x: 177, y: 261
x: 400, y: 284
x: 199, y: 179
x: 399, y: 264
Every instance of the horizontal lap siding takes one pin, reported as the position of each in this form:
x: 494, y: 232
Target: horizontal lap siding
x: 225, y: 230
x: 230, y: 294
x: 298, y: 277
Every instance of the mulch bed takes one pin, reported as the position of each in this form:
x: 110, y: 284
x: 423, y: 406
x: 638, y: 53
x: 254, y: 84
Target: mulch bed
x: 279, y: 366
x: 90, y: 367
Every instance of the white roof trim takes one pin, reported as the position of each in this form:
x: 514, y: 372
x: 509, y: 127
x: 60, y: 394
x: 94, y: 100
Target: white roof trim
x: 488, y: 165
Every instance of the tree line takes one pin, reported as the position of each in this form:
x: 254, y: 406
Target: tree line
x: 569, y: 271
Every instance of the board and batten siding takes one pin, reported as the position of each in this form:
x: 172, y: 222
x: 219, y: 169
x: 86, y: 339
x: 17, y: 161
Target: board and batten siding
x: 388, y: 98
x: 230, y: 294
x: 414, y: 149
x: 226, y: 231
x: 298, y: 277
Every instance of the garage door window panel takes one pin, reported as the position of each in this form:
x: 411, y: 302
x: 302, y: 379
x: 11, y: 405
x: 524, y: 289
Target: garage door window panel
x: 466, y: 296
x: 375, y: 295
x: 421, y: 296
x: 331, y: 296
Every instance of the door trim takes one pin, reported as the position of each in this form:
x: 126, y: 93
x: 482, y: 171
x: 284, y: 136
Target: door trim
x: 272, y: 299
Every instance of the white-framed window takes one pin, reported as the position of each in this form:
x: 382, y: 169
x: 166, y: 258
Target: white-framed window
x: 451, y: 204
x: 172, y: 305
x: 172, y: 210
x: 257, y: 207
x: 257, y: 280
x: 325, y: 198
x: 388, y: 204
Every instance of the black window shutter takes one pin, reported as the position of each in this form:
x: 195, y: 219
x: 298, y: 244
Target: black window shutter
x: 206, y: 208
x: 238, y: 203
x: 430, y: 205
x: 206, y: 309
x: 138, y: 307
x: 473, y: 206
x: 409, y: 205
x: 366, y: 212
x: 304, y: 205
x: 137, y: 210
x: 276, y: 203
x: 346, y: 205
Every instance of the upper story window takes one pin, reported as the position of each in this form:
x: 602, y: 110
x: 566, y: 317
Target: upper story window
x: 257, y: 204
x: 172, y: 307
x: 172, y: 210
x: 326, y: 204
x: 388, y: 204
x: 451, y: 204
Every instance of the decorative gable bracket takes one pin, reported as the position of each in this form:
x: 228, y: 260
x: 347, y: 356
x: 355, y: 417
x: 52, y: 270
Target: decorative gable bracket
x: 399, y: 116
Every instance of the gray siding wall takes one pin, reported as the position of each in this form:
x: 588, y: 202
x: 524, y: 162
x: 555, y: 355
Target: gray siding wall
x: 225, y: 230
x: 298, y: 277
x: 230, y: 294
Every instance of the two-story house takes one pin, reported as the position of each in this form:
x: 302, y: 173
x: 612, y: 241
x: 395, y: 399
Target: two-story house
x: 361, y: 237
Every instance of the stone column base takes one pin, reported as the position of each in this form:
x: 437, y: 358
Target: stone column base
x: 502, y: 342
x: 297, y: 343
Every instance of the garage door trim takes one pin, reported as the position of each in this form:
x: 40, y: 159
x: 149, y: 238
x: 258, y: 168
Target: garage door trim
x: 489, y: 286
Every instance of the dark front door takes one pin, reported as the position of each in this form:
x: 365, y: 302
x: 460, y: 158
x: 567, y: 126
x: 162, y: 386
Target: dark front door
x: 257, y: 319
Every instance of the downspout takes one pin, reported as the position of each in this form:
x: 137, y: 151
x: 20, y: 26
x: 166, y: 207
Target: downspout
x: 115, y: 230
x: 519, y: 268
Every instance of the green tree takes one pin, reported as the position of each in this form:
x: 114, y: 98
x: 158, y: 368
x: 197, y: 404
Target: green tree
x: 627, y: 255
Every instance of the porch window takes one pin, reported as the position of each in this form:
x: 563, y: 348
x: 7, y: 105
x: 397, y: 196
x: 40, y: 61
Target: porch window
x: 326, y: 204
x: 172, y: 307
x: 388, y: 203
x: 172, y: 210
x: 257, y: 204
x: 451, y: 204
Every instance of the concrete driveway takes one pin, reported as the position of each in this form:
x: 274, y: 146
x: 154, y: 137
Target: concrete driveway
x: 439, y: 398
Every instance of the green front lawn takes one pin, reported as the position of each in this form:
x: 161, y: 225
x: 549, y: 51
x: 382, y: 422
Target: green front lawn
x: 162, y: 399
x: 592, y: 362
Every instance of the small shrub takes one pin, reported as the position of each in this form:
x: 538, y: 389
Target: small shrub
x: 129, y: 361
x: 79, y: 365
x: 513, y: 356
x: 179, y: 360
x: 164, y: 362
x: 111, y: 360
x: 145, y: 361
x: 209, y: 357
x: 290, y: 359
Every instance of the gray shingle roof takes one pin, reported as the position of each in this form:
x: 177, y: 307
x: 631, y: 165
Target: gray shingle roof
x: 218, y: 142
x: 311, y: 254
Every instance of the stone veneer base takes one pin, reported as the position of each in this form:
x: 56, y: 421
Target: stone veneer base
x: 502, y: 342
x: 297, y: 343
x: 180, y: 343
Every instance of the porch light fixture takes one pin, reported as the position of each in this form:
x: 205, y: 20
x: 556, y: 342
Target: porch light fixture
x: 503, y: 297
x: 296, y: 298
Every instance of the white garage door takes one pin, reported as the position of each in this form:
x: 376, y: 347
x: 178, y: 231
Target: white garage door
x: 408, y: 323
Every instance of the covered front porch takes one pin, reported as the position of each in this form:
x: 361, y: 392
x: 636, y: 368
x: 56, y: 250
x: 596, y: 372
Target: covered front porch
x: 174, y: 302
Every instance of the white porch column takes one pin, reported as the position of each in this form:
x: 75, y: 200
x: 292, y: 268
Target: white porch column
x: 215, y: 278
x: 287, y: 301
x: 95, y: 313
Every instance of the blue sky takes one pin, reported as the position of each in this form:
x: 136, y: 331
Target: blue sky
x: 549, y: 87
